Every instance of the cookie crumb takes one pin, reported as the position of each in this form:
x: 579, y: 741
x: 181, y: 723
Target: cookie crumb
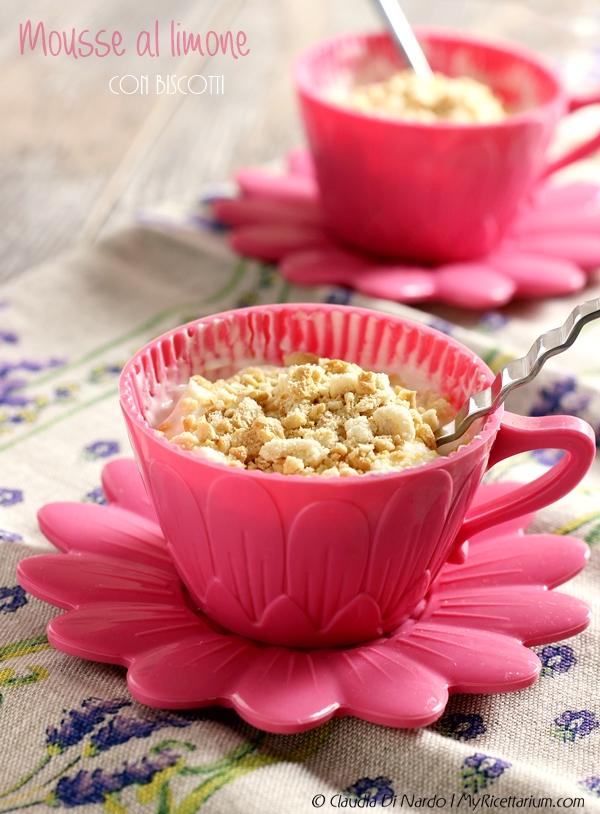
x: 406, y: 96
x: 316, y: 416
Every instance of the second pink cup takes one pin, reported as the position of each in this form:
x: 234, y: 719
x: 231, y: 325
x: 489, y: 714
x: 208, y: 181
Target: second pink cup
x: 429, y: 192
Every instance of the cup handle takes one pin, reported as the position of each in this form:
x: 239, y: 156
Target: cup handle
x: 522, y: 434
x: 583, y: 150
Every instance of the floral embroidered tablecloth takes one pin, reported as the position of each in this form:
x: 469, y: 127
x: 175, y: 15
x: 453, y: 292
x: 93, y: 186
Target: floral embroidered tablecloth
x: 70, y: 733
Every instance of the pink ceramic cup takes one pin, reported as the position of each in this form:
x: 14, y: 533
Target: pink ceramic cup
x: 429, y: 192
x: 312, y: 561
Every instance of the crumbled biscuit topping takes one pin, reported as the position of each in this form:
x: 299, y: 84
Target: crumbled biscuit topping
x: 404, y: 95
x: 315, y: 417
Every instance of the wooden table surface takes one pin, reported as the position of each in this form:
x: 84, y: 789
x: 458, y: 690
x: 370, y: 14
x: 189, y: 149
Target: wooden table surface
x: 77, y: 160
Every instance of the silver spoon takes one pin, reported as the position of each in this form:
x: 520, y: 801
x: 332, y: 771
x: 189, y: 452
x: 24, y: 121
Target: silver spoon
x: 519, y: 371
x: 404, y: 36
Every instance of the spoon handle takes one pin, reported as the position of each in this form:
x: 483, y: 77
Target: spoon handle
x: 405, y: 37
x: 519, y: 371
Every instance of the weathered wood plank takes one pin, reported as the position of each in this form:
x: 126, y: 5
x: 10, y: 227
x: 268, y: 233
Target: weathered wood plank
x: 257, y: 118
x: 63, y: 132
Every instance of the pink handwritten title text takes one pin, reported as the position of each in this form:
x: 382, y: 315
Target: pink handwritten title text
x: 83, y: 44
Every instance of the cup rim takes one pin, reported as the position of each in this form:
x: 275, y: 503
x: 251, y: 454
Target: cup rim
x: 517, y: 50
x: 487, y: 430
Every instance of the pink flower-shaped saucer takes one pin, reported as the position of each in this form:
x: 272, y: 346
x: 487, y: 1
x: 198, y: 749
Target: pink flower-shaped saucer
x: 553, y: 244
x: 126, y: 605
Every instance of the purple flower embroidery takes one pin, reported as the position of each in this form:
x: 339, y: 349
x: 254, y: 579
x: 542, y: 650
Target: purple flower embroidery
x: 339, y: 296
x: 491, y: 321
x: 16, y: 596
x: 210, y: 222
x: 560, y: 397
x: 574, y: 724
x: 548, y: 457
x: 65, y: 392
x: 479, y: 771
x: 96, y: 496
x: 101, y: 449
x: 11, y: 386
x: 442, y: 325
x: 10, y: 337
x: 378, y: 789
x: 80, y: 722
x: 461, y: 725
x: 120, y: 730
x: 94, y: 787
x: 104, y: 373
x: 8, y: 497
x: 556, y: 659
x: 10, y: 393
x: 591, y: 784
x: 9, y: 537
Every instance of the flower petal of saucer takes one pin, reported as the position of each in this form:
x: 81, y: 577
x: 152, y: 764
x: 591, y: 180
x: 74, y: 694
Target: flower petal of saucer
x: 288, y: 691
x: 581, y: 249
x: 252, y: 211
x: 471, y: 660
x: 287, y: 188
x: 273, y: 242
x: 546, y: 560
x: 503, y: 586
x: 530, y: 615
x: 202, y: 670
x: 108, y: 530
x: 299, y: 689
x: 86, y: 579
x: 578, y: 219
x: 538, y: 275
x: 472, y: 285
x: 551, y: 196
x: 300, y: 162
x: 120, y: 633
x: 331, y: 265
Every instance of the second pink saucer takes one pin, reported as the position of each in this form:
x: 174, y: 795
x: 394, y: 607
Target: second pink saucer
x: 552, y: 247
